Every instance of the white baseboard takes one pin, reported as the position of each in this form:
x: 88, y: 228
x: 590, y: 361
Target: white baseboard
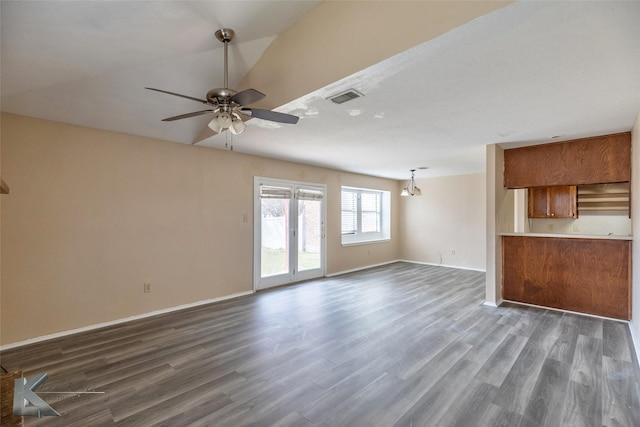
x: 353, y: 270
x: 566, y: 311
x: 493, y: 304
x: 444, y: 265
x: 119, y: 321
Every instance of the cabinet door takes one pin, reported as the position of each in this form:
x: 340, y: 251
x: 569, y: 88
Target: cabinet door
x: 562, y: 201
x: 538, y: 202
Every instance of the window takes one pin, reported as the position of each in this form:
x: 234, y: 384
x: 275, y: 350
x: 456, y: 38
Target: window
x: 366, y: 215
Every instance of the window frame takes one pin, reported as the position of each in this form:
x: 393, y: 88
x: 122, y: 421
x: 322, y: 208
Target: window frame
x: 384, y: 217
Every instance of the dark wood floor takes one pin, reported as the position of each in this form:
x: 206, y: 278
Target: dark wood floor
x: 404, y: 344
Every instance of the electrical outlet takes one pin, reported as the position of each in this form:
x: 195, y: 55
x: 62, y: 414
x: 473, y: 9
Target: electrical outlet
x: 453, y: 251
x: 245, y: 218
x: 147, y: 288
x: 550, y: 227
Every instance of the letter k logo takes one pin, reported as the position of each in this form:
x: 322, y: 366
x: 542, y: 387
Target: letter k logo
x: 23, y: 392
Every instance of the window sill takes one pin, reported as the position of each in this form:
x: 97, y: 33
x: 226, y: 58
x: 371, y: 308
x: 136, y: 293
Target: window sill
x: 365, y: 242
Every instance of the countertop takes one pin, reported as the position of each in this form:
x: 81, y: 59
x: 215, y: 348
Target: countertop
x: 571, y: 236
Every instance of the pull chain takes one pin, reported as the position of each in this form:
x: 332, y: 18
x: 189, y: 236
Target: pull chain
x: 226, y: 143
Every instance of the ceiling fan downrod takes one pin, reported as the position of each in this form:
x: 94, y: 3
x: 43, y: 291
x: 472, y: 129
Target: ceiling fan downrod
x: 225, y: 35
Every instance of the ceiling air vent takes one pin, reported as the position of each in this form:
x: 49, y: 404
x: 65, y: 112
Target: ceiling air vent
x: 345, y: 96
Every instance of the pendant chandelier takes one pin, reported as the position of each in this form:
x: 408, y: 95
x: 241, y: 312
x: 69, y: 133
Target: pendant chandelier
x: 411, y: 189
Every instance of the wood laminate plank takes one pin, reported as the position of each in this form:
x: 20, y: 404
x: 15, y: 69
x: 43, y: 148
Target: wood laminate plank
x: 469, y: 406
x: 583, y: 404
x: 545, y: 404
x: 589, y: 326
x: 498, y: 364
x: 352, y: 384
x: 435, y: 402
x: 401, y: 344
x: 516, y: 389
x: 434, y: 370
x: 496, y: 416
x: 564, y: 347
x: 615, y: 342
x: 620, y: 401
x: 371, y: 405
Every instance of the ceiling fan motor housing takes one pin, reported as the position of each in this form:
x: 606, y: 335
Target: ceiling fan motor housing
x: 220, y: 95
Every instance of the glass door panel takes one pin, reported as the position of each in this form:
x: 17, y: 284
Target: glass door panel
x: 309, y: 234
x: 274, y: 251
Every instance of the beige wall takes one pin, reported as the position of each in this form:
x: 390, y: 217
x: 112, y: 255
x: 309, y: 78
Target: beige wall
x: 635, y: 221
x: 93, y: 215
x: 449, y: 217
x: 1, y: 198
x: 498, y: 205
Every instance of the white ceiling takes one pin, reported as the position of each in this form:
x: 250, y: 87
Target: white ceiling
x: 522, y: 74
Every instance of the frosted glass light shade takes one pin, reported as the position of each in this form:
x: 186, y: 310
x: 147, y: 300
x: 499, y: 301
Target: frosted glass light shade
x: 220, y: 122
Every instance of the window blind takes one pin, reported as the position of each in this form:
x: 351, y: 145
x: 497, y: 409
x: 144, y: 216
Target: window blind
x: 308, y: 194
x: 370, y: 203
x: 349, y: 212
x: 273, y: 192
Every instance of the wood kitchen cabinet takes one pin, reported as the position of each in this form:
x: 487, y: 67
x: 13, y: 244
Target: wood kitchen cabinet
x: 594, y: 160
x: 553, y: 202
x: 577, y: 274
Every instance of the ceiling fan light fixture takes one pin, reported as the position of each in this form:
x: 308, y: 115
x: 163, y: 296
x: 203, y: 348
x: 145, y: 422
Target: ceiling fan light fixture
x: 220, y: 122
x: 237, y: 125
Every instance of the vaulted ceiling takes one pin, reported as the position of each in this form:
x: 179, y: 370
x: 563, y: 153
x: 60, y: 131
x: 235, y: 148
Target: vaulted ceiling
x: 440, y: 80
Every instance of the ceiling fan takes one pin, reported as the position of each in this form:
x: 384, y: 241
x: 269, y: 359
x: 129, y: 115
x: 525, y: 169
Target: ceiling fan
x: 227, y: 105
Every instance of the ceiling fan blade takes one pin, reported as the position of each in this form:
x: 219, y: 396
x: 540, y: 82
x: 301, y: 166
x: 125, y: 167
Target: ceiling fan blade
x: 204, y: 101
x: 273, y: 116
x: 186, y: 116
x: 247, y: 97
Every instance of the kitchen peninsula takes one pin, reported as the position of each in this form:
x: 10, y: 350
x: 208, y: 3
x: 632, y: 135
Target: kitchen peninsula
x: 587, y: 274
x: 584, y: 273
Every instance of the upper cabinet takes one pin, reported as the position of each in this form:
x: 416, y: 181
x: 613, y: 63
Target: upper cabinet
x: 595, y: 160
x: 553, y: 202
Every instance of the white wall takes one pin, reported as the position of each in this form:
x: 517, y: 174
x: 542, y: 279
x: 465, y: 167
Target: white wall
x: 445, y: 225
x: 619, y: 225
x: 635, y: 216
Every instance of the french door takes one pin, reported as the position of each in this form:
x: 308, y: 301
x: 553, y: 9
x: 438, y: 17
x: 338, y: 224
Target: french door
x: 289, y: 231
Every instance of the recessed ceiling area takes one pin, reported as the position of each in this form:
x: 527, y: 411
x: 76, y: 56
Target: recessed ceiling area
x: 522, y: 74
